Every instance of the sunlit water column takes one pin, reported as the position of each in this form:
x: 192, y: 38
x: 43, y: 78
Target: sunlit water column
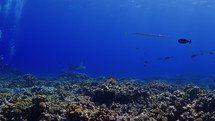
x: 10, y: 15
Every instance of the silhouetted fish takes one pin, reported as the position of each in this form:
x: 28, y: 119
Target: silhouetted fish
x: 146, y: 63
x: 195, y: 55
x: 205, y: 51
x: 137, y: 48
x: 184, y: 41
x: 168, y: 57
x: 149, y: 34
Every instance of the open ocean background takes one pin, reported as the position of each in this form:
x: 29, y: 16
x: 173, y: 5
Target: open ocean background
x: 45, y: 37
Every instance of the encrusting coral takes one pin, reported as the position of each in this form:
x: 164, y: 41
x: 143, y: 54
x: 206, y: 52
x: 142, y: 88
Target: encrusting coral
x: 78, y: 97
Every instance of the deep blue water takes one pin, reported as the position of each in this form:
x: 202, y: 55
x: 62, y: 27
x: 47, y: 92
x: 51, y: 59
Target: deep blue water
x: 47, y: 36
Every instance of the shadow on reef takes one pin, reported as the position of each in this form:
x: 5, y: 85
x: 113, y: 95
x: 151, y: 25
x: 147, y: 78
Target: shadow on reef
x: 112, y: 91
x: 76, y: 96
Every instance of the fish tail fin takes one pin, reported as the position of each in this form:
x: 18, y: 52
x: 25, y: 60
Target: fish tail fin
x: 190, y: 41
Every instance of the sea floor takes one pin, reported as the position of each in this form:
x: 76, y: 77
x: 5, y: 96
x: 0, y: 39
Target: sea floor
x: 76, y: 96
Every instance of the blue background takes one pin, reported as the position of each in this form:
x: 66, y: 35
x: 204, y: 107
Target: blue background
x: 53, y: 34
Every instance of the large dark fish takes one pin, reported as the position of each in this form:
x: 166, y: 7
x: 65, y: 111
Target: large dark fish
x: 205, y: 51
x: 184, y: 41
x: 149, y: 34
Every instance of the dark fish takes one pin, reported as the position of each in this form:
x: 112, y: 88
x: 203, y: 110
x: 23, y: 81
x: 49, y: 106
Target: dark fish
x: 195, y: 55
x: 209, y: 52
x: 137, y: 48
x: 168, y: 57
x: 146, y: 62
x: 184, y: 41
x: 149, y: 34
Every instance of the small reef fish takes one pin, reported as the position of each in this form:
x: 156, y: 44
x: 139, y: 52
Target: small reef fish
x: 168, y: 57
x: 209, y: 52
x: 146, y: 63
x: 184, y: 41
x: 195, y: 55
x: 149, y: 34
x: 79, y: 67
x: 137, y: 48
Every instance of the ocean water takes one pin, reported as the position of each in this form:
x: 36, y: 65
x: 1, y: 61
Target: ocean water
x: 46, y: 37
x: 107, y: 60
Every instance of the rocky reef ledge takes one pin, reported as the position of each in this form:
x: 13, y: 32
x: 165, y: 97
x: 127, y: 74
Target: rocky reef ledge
x: 78, y: 97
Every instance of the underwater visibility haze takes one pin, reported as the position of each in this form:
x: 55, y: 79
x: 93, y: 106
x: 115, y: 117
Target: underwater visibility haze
x: 46, y: 37
x: 107, y: 60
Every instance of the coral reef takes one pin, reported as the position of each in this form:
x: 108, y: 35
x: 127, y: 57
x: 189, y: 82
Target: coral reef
x: 78, y: 97
x: 29, y: 78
